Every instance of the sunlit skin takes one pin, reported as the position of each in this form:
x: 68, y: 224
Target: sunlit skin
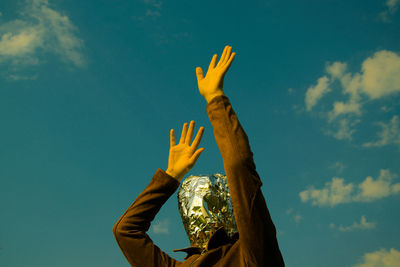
x: 183, y: 156
x: 212, y: 85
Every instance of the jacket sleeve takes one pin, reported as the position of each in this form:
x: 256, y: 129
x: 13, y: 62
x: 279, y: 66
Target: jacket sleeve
x: 257, y: 233
x: 130, y: 230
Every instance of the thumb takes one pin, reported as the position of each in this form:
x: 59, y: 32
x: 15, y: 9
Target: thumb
x: 199, y: 73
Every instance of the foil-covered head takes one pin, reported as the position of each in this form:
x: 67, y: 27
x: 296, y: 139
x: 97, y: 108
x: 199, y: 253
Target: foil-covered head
x: 205, y: 204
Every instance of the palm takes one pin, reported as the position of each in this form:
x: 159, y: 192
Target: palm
x: 214, y: 80
x: 183, y: 156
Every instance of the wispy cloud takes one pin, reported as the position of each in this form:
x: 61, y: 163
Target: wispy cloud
x: 40, y: 29
x: 160, y: 33
x: 338, y: 192
x: 345, y: 129
x: 390, y: 133
x: 153, y: 10
x: 161, y: 227
x: 22, y: 77
x: 381, y: 258
x: 362, y: 225
x: 391, y: 8
x: 315, y: 93
x: 385, y: 108
x: 338, y: 166
x: 378, y: 79
x: 154, y: 3
x: 295, y: 216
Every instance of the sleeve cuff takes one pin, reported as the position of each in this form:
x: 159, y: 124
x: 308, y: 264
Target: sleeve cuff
x: 161, y: 176
x: 217, y: 99
x: 216, y: 103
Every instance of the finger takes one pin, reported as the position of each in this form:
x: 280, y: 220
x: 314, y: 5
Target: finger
x: 172, y: 138
x: 222, y: 57
x: 228, y: 64
x: 197, y: 139
x: 196, y: 155
x: 183, y: 135
x: 190, y: 133
x: 199, y: 74
x: 212, y: 63
x: 227, y: 54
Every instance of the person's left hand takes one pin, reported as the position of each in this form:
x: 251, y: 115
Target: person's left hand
x: 183, y: 156
x: 212, y: 85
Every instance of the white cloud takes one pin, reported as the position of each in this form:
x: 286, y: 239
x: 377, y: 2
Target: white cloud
x: 379, y: 78
x: 390, y: 133
x: 392, y: 6
x: 161, y: 227
x: 333, y: 193
x: 337, y: 192
x: 381, y: 75
x: 344, y: 130
x: 381, y: 258
x: 336, y: 70
x: 19, y: 44
x: 60, y: 28
x: 370, y: 189
x: 315, y: 93
x: 341, y: 108
x: 40, y: 29
x: 362, y: 225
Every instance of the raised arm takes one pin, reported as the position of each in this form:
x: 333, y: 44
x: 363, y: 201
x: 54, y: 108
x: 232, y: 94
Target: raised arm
x: 130, y: 230
x: 257, y: 233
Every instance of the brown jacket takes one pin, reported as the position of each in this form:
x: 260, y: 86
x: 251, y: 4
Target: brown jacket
x: 254, y: 245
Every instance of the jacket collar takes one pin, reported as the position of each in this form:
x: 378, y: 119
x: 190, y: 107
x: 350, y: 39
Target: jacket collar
x: 219, y: 238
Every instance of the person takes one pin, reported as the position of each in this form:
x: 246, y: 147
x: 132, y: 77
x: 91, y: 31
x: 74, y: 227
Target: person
x: 255, y: 243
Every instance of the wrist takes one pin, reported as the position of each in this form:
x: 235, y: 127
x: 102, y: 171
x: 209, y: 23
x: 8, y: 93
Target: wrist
x: 210, y: 97
x: 174, y: 175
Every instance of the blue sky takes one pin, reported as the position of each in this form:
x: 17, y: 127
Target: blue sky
x: 89, y: 91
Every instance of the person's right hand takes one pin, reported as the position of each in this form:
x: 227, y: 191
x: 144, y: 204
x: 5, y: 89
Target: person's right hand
x: 212, y: 84
x: 183, y: 156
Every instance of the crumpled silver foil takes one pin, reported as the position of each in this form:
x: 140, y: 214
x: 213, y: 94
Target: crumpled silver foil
x: 205, y: 204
